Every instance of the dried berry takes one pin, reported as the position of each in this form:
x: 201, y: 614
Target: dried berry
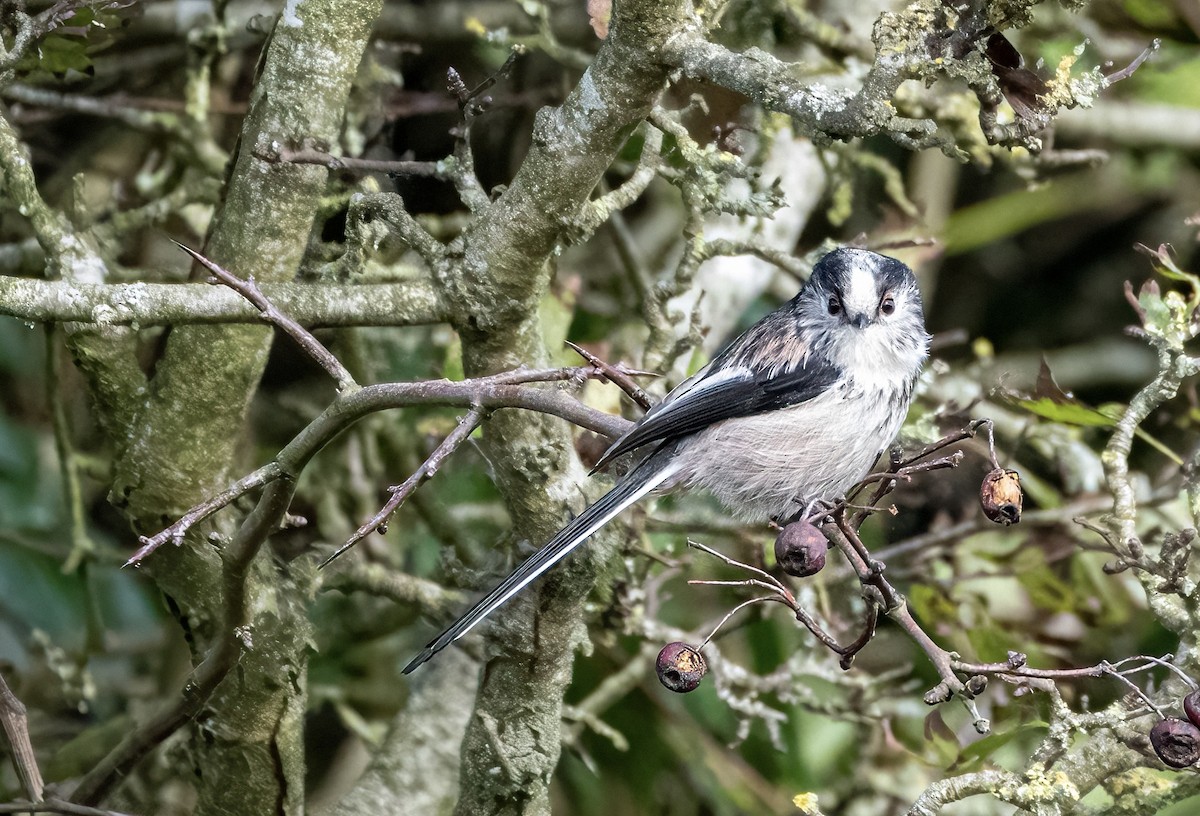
x: 1176, y: 741
x: 680, y: 667
x: 1191, y: 707
x: 1000, y: 494
x: 800, y: 549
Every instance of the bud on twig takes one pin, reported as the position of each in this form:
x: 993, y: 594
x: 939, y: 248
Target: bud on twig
x: 940, y: 693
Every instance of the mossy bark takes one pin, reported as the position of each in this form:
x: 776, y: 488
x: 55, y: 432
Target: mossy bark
x: 186, y: 436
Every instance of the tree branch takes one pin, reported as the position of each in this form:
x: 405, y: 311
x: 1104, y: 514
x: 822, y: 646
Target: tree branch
x: 816, y: 108
x: 508, y: 390
x: 406, y: 303
x: 16, y: 729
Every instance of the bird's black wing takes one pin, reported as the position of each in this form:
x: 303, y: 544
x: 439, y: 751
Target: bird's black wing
x: 719, y: 393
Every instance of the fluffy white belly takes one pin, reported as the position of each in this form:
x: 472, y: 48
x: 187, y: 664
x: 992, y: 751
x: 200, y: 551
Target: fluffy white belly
x: 771, y: 465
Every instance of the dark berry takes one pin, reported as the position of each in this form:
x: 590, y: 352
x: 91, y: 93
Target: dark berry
x: 1001, y: 497
x: 680, y: 667
x: 1191, y: 707
x: 800, y: 549
x: 1176, y: 741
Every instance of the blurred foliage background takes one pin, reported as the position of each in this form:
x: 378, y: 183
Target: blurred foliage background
x: 1022, y: 258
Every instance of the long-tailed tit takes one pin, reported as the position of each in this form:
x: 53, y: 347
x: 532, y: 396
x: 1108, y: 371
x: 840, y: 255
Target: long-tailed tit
x: 795, y: 410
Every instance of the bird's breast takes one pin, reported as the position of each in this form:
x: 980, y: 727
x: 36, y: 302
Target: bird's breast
x: 772, y: 464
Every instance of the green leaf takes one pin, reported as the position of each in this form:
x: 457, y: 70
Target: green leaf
x: 940, y: 739
x: 1052, y: 403
x: 1068, y: 413
x: 60, y: 54
x: 1046, y: 590
x: 989, y: 641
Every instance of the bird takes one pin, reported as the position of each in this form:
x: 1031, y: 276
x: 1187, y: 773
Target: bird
x: 794, y: 411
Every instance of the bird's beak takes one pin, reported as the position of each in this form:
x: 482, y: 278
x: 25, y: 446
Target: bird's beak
x: 859, y: 321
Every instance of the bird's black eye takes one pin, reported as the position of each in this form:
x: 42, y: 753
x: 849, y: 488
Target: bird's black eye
x: 887, y: 305
x: 835, y: 304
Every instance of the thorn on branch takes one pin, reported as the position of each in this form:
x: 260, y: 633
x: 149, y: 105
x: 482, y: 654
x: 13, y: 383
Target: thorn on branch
x: 458, y: 88
x: 1128, y: 70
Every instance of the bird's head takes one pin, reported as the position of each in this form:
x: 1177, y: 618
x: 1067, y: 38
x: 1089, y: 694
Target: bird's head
x: 864, y: 305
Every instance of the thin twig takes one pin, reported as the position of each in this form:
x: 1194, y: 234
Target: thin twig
x: 904, y: 468
x: 16, y: 727
x: 735, y: 610
x: 471, y: 103
x: 304, y: 338
x: 400, y: 493
x: 176, y: 532
x: 771, y: 580
x: 754, y: 582
x: 619, y: 376
x: 81, y: 544
x: 1164, y: 661
x: 464, y: 96
x: 310, y: 155
x: 781, y: 594
x: 1127, y: 71
x: 868, y: 633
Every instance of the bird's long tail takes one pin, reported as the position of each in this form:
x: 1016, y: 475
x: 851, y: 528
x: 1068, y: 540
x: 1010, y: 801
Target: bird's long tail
x: 649, y: 474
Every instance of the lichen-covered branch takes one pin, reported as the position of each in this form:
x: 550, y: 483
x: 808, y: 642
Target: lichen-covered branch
x: 189, y: 424
x: 816, y: 107
x: 407, y: 303
x: 493, y: 296
x: 928, y: 40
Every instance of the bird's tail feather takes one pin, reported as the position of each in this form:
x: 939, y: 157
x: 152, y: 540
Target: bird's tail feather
x: 649, y: 474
